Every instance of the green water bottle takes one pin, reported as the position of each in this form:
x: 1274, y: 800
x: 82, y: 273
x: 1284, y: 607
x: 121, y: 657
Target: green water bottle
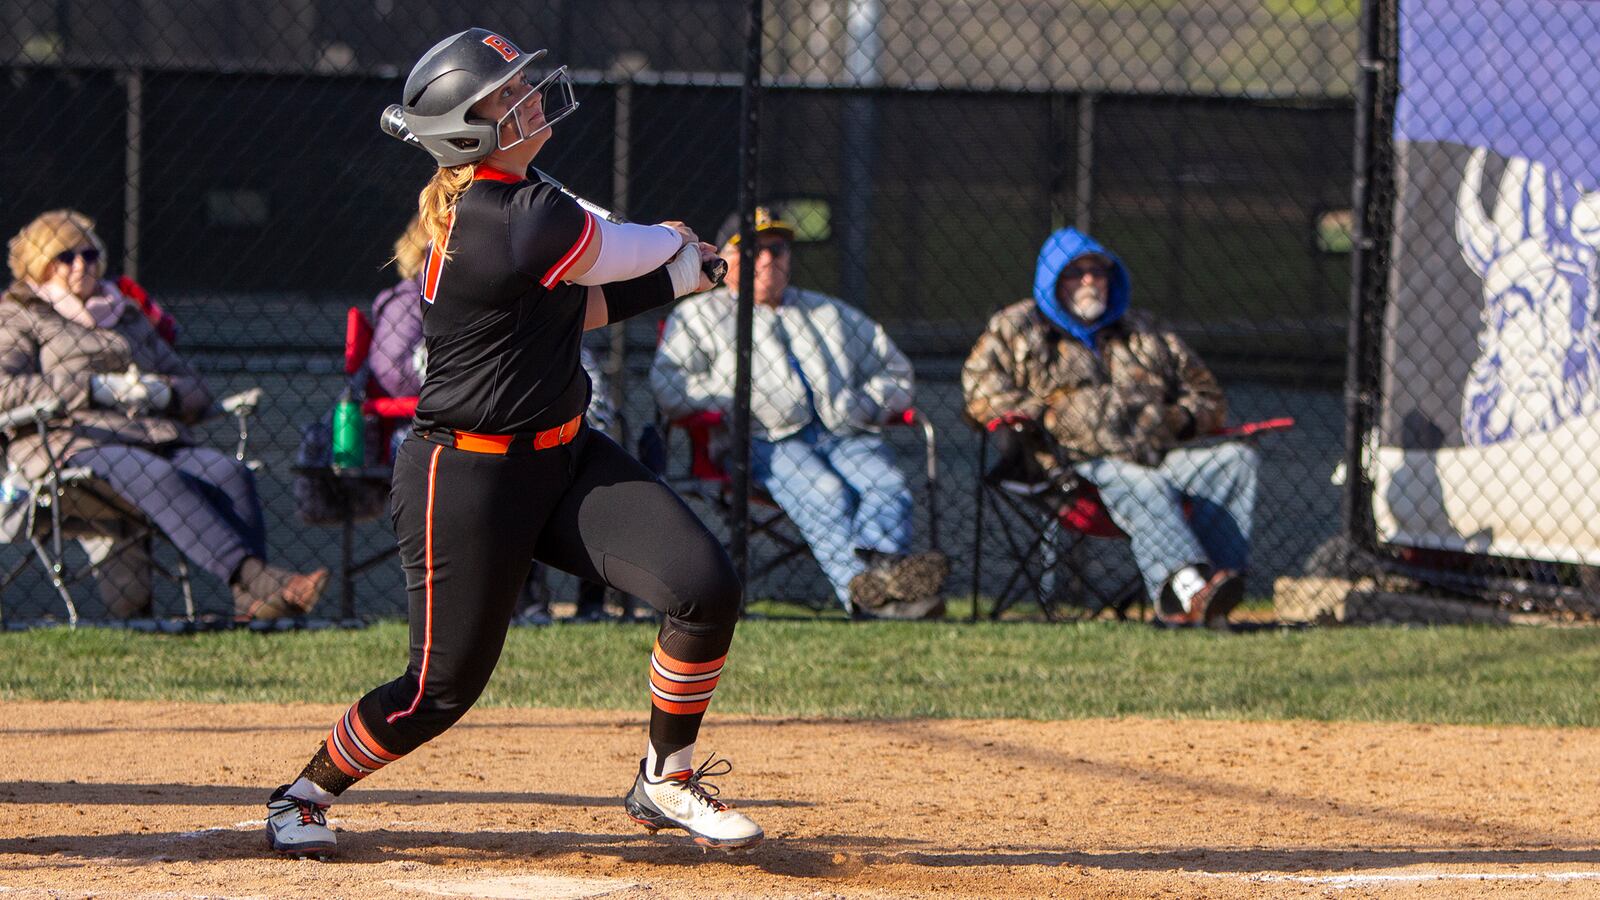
x: 349, y: 450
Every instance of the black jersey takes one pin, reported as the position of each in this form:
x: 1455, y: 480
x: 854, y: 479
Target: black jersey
x: 501, y: 327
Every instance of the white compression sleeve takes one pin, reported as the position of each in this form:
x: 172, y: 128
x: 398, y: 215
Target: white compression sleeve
x: 628, y: 251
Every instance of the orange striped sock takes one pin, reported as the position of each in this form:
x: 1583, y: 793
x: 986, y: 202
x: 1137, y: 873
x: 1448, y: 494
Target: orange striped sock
x: 353, y: 749
x: 680, y: 691
x: 682, y: 688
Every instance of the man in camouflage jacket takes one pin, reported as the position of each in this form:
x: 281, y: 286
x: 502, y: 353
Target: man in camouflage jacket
x: 1091, y: 389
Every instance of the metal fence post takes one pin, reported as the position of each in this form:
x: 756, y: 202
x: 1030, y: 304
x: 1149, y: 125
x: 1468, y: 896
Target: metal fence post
x: 1357, y: 400
x: 625, y: 69
x: 749, y: 172
x: 133, y: 162
x: 1083, y: 195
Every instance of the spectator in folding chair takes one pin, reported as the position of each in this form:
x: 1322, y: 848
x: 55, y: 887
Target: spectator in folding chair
x: 1116, y: 395
x: 399, y: 361
x: 67, y: 335
x: 824, y: 381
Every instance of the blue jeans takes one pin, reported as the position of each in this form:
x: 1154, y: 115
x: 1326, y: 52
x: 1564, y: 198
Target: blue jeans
x: 1220, y: 482
x: 843, y: 493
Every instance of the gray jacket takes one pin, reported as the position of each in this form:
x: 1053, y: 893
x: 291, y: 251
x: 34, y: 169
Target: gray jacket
x: 44, y: 355
x: 858, y: 377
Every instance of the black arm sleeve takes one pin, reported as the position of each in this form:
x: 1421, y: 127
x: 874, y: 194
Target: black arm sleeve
x: 626, y: 299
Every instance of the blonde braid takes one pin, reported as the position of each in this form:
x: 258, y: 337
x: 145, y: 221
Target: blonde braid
x: 437, y: 202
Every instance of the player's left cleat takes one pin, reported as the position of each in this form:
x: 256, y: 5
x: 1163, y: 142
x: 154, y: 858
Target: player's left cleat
x: 298, y: 827
x: 690, y: 803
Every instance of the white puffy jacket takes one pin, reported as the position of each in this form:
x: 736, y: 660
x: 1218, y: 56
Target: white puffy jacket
x: 858, y: 377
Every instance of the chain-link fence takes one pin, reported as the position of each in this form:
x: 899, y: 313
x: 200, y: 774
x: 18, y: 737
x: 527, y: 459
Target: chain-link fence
x: 916, y: 157
x: 1475, y: 346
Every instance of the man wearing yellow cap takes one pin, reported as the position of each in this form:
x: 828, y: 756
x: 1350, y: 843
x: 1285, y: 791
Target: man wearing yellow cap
x: 824, y: 381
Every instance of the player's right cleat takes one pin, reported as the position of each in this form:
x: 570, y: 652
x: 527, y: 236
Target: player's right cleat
x: 298, y: 827
x: 690, y: 803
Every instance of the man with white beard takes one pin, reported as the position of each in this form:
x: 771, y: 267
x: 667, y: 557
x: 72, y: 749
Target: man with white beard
x: 1114, y: 396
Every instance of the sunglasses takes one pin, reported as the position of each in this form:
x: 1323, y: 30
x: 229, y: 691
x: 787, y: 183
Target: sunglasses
x: 90, y: 256
x: 1078, y: 272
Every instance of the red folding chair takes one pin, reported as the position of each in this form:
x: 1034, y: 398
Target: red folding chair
x: 706, y: 479
x: 1032, y: 517
x: 393, y: 413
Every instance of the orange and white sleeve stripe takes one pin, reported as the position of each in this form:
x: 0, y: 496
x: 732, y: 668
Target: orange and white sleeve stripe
x: 682, y: 688
x: 564, y: 265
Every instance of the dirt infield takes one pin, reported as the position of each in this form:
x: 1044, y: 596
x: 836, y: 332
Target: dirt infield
x: 162, y: 800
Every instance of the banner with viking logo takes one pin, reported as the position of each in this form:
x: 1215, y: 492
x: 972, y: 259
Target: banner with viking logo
x: 1490, y: 423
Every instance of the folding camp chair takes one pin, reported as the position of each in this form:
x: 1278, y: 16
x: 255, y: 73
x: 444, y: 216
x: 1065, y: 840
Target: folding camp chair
x: 1049, y: 528
x: 72, y: 503
x: 706, y: 479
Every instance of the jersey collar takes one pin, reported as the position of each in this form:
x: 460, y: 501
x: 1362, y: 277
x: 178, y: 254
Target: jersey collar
x: 487, y: 172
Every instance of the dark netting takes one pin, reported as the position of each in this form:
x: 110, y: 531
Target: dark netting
x: 916, y: 158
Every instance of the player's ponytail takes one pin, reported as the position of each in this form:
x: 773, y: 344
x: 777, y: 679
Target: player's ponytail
x: 437, y: 202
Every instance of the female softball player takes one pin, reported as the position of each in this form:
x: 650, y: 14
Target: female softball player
x: 501, y: 470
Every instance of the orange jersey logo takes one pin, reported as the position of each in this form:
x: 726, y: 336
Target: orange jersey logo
x: 504, y: 46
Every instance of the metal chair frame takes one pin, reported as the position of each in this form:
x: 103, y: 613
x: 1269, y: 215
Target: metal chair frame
x: 708, y: 481
x: 1074, y: 511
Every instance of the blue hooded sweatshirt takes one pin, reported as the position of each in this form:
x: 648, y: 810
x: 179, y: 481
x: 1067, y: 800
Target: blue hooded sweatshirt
x: 1061, y: 250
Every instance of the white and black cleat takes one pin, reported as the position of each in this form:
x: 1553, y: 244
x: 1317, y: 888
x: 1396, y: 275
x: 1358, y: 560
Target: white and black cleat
x: 690, y: 803
x: 298, y: 827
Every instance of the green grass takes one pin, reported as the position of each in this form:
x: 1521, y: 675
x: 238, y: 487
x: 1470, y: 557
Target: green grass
x: 830, y: 668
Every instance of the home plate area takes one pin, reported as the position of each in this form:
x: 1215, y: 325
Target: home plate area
x: 163, y: 801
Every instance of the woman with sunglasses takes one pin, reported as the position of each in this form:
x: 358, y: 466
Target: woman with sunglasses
x: 500, y: 468
x: 128, y: 401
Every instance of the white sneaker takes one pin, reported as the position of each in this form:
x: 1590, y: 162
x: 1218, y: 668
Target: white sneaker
x: 298, y: 827
x: 691, y: 804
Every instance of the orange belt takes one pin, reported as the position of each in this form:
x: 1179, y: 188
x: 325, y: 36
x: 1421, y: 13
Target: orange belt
x: 501, y: 444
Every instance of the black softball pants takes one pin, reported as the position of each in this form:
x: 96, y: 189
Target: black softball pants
x: 469, y: 524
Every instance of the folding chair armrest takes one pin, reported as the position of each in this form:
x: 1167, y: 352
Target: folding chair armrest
x: 1245, y: 431
x: 37, y: 413
x: 1265, y: 426
x: 914, y: 418
x: 241, y: 406
x: 707, y: 419
x: 1010, y: 418
x: 243, y: 403
x: 391, y: 407
x: 73, y: 474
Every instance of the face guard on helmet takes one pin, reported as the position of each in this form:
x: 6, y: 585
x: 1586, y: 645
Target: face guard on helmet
x: 556, y: 103
x: 452, y: 77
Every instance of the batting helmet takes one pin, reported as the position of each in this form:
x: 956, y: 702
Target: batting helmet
x: 455, y: 74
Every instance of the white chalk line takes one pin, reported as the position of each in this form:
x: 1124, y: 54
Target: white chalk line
x: 1343, y: 881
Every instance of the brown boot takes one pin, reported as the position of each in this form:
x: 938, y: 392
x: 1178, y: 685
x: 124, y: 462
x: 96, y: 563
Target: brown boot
x: 919, y: 575
x: 1223, y: 592
x: 263, y: 591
